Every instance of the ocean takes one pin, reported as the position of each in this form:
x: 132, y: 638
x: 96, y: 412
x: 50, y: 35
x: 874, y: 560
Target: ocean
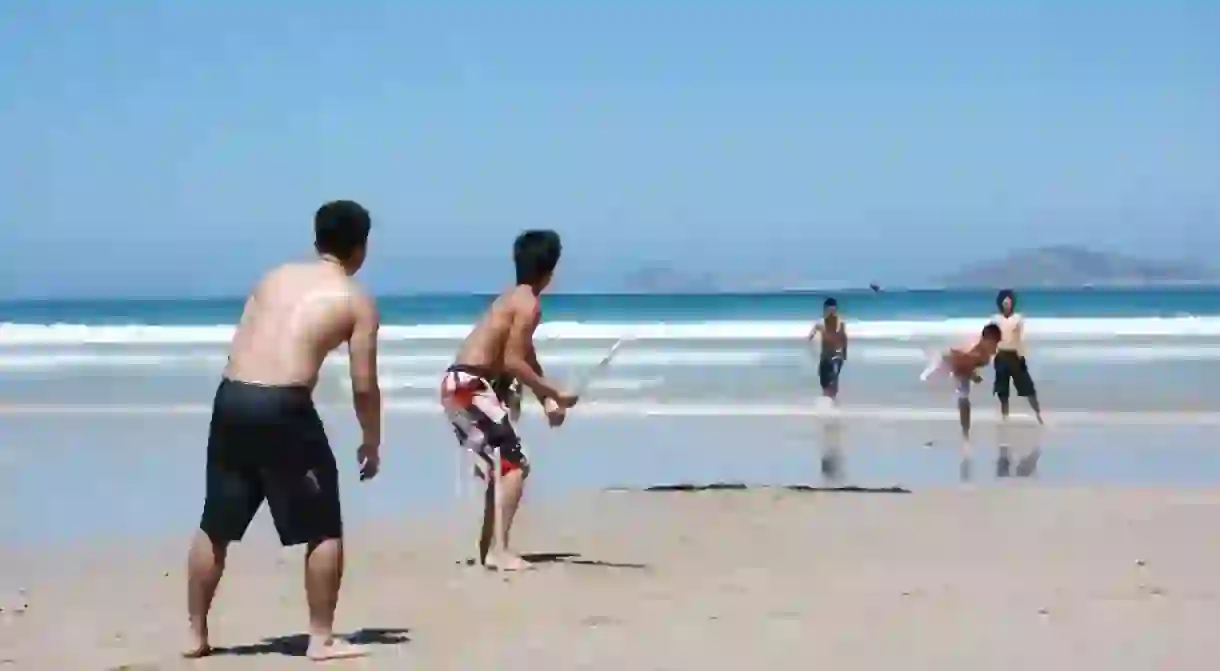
x: 104, y: 404
x: 1103, y: 349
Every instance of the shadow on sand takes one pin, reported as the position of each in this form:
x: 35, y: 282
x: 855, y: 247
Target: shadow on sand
x: 741, y: 486
x: 572, y: 558
x: 294, y: 645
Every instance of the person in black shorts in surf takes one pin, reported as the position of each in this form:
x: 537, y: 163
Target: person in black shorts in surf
x: 833, y: 332
x: 1011, y: 370
x: 266, y: 441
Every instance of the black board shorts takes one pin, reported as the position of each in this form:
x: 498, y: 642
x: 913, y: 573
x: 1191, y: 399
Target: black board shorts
x: 267, y: 442
x: 1011, y: 371
x: 829, y: 368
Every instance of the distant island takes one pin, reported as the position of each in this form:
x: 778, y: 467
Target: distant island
x: 1069, y: 266
x: 1061, y: 266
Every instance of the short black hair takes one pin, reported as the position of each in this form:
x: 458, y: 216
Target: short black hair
x: 535, y: 255
x: 992, y: 332
x: 830, y: 303
x: 341, y: 228
x: 1005, y: 293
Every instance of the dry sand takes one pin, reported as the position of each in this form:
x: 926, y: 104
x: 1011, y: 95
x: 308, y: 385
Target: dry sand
x: 995, y: 578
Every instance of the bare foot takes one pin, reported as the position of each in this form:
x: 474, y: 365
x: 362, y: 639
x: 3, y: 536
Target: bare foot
x: 197, y: 653
x: 506, y: 561
x: 328, y: 649
x: 199, y: 644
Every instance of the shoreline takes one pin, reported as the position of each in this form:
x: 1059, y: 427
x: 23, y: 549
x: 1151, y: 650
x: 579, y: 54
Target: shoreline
x: 647, y: 408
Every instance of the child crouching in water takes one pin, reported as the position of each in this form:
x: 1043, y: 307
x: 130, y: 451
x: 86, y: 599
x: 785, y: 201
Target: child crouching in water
x: 963, y: 364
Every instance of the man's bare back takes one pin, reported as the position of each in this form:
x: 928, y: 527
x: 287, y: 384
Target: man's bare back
x: 965, y: 361
x: 484, y: 346
x: 478, y: 391
x: 266, y: 440
x: 294, y: 318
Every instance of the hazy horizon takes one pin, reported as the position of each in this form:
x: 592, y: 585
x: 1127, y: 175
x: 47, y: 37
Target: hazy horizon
x: 177, y: 149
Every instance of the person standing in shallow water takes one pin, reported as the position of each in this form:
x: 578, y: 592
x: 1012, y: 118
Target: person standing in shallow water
x: 833, y: 333
x: 1011, y: 369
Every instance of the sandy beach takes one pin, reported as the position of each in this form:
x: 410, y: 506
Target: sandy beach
x: 1011, y: 577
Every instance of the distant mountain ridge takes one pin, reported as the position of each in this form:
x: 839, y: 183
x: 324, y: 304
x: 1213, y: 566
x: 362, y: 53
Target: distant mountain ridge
x: 1069, y: 266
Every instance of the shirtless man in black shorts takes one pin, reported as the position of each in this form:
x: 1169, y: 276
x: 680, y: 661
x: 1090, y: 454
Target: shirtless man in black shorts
x: 833, y: 332
x: 477, y: 390
x: 266, y: 441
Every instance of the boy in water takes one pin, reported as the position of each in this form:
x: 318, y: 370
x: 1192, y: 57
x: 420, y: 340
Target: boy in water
x: 963, y: 363
x: 834, y: 348
x: 1011, y: 370
x: 477, y: 390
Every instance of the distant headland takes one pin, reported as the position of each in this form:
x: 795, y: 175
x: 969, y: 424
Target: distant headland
x: 1069, y: 266
x: 1061, y: 266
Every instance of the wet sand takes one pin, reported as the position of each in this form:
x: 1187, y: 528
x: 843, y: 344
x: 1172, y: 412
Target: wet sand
x: 1010, y: 577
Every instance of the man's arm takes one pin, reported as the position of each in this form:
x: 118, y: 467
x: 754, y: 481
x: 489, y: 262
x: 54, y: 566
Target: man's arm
x: 362, y: 355
x: 519, y: 357
x: 532, y: 360
x: 813, y: 332
x: 843, y: 333
x: 1018, y: 332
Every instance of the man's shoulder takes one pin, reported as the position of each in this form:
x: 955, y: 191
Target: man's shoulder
x: 521, y: 298
x: 359, y: 299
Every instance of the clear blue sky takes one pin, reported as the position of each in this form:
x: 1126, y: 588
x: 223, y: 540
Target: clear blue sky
x: 169, y: 147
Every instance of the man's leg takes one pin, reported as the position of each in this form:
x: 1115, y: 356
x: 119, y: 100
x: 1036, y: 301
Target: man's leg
x: 1024, y: 382
x: 233, y: 496
x: 487, y: 531
x: 303, y: 494
x: 1002, y: 387
x: 1035, y: 406
x: 824, y: 378
x: 494, y: 543
x: 205, y: 566
x: 963, y: 416
x: 323, y: 578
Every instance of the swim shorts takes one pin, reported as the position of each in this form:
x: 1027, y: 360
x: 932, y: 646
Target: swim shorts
x: 1010, y: 368
x: 477, y: 403
x: 962, y: 387
x: 267, y: 442
x: 829, y: 368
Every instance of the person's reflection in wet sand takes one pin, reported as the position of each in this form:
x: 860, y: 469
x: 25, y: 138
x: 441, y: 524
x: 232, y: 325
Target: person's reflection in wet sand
x: 832, y: 449
x: 1023, y: 440
x: 965, y: 468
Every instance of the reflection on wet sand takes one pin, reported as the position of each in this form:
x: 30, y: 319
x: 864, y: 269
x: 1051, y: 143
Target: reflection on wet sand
x: 832, y: 449
x: 1024, y: 443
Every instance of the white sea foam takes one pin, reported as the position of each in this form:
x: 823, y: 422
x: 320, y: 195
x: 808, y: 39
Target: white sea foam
x: 1048, y: 328
x: 432, y: 382
x: 44, y: 359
